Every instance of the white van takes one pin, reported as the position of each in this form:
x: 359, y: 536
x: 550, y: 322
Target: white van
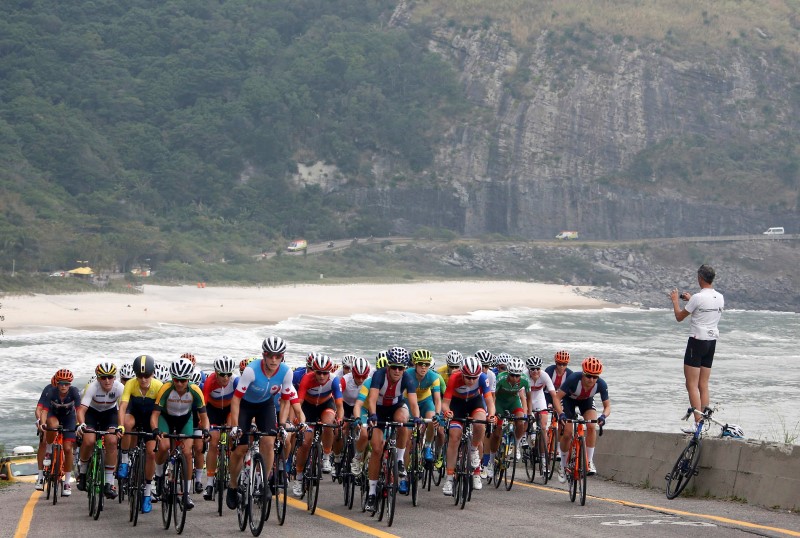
x: 778, y: 230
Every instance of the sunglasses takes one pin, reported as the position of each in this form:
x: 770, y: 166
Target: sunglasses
x: 321, y: 372
x: 425, y: 364
x: 397, y: 367
x: 513, y: 375
x: 65, y: 383
x: 471, y: 377
x: 105, y: 377
x: 590, y: 376
x: 224, y: 375
x: 534, y: 369
x: 174, y: 380
x: 268, y: 355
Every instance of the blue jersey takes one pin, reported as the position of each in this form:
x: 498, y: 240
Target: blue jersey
x: 297, y: 377
x: 573, y: 389
x: 392, y: 393
x: 256, y: 387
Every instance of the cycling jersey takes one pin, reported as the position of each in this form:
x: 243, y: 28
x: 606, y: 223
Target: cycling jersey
x: 427, y: 385
x: 458, y: 389
x: 172, y: 404
x: 255, y: 387
x: 390, y: 393
x: 492, y: 379
x: 135, y: 397
x: 215, y: 394
x: 55, y: 405
x: 554, y: 377
x: 507, y: 394
x: 316, y: 393
x: 349, y: 389
x: 298, y: 374
x: 98, y: 399
x: 573, y: 388
x: 444, y: 371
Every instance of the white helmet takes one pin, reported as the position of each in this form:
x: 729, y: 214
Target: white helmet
x: 126, y: 371
x: 197, y: 377
x: 454, y: 358
x: 360, y: 366
x: 471, y: 367
x: 224, y: 365
x: 181, y: 369
x: 732, y: 430
x: 515, y: 366
x: 348, y: 359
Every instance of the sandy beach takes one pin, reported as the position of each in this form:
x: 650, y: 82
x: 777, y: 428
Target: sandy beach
x: 193, y: 306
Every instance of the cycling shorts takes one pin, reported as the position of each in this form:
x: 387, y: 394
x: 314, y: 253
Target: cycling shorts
x: 67, y: 421
x: 262, y: 412
x: 181, y: 425
x: 314, y: 413
x: 218, y: 417
x: 569, y: 405
x: 699, y: 352
x: 386, y: 412
x: 466, y: 408
x: 102, y: 420
x: 426, y: 406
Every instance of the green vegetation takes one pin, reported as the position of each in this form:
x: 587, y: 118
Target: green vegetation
x: 168, y: 131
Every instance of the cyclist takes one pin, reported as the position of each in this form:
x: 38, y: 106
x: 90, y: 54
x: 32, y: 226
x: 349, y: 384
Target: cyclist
x: 429, y: 394
x: 176, y: 403
x: 541, y: 386
x: 468, y: 394
x: 488, y: 361
x: 558, y: 371
x: 162, y: 373
x: 347, y: 366
x: 358, y: 380
x: 126, y: 373
x: 385, y: 403
x: 301, y: 371
x: 501, y: 362
x: 217, y: 392
x: 322, y: 402
x: 253, y: 399
x: 338, y: 442
x: 135, y: 408
x: 56, y: 407
x: 578, y: 391
x: 99, y: 411
x: 510, y: 397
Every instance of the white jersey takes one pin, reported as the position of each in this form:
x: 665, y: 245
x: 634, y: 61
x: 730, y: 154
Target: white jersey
x: 543, y: 381
x: 706, y: 308
x: 98, y: 399
x: 350, y: 389
x: 492, y: 378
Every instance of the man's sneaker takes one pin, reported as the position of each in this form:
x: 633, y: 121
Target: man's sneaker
x: 401, y: 469
x: 403, y: 486
x: 447, y: 489
x: 122, y: 472
x: 147, y: 505
x: 689, y: 430
x: 67, y: 490
x: 474, y: 458
x: 476, y: 482
x: 81, y: 485
x: 189, y: 502
x: 372, y: 504
x: 110, y: 491
x: 428, y: 453
x: 297, y: 488
x: 326, y: 464
x: 230, y: 498
x: 355, y: 466
x: 562, y: 476
x: 40, y: 484
x: 484, y: 473
x: 490, y: 470
x: 198, y: 487
x: 592, y: 470
x: 209, y: 494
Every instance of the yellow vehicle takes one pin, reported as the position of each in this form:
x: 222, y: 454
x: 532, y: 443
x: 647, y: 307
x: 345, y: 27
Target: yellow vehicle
x: 297, y: 245
x: 20, y: 467
x: 566, y: 234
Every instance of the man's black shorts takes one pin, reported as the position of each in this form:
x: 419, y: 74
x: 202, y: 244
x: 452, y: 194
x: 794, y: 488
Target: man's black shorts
x: 699, y: 352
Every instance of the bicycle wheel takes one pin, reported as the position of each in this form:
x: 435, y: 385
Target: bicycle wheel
x: 313, y: 474
x: 511, y: 461
x: 242, y: 500
x: 134, y: 483
x: 544, y: 462
x: 179, y: 493
x: 280, y: 485
x: 391, y: 487
x: 98, y: 470
x: 364, y: 484
x: 167, y: 492
x: 413, y: 473
x: 466, y: 476
x: 541, y: 449
x: 458, y: 475
x: 221, y: 479
x: 552, y: 450
x: 684, y: 469
x: 380, y: 489
x: 571, y: 474
x: 122, y: 483
x: 344, y: 472
x: 499, y: 463
x: 583, y: 471
x: 258, y: 500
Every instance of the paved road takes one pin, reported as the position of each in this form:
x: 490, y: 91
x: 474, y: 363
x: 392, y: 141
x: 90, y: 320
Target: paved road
x: 528, y: 509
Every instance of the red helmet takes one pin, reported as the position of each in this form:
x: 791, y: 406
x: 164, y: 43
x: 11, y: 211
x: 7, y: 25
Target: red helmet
x: 322, y: 363
x: 190, y: 357
x: 592, y: 366
x: 562, y: 357
x: 63, y: 375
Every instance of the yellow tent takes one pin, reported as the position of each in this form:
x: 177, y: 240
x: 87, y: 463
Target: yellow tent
x: 81, y: 271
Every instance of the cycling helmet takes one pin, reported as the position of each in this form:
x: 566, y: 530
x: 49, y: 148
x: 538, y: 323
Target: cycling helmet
x: 190, y: 356
x: 126, y: 371
x: 515, y: 366
x: 322, y: 363
x: 381, y: 361
x: 485, y: 357
x: 197, y: 377
x: 592, y: 366
x: 224, y: 365
x: 433, y: 363
x: 733, y: 431
x: 63, y: 375
x: 144, y: 365
x: 422, y: 356
x: 348, y: 359
x: 53, y: 380
x: 398, y: 356
x: 273, y: 344
x: 162, y: 373
x: 360, y: 366
x: 533, y: 362
x: 181, y: 369
x: 106, y: 368
x: 310, y: 358
x: 454, y: 358
x: 503, y: 358
x: 562, y: 357
x: 471, y: 367
x: 381, y: 354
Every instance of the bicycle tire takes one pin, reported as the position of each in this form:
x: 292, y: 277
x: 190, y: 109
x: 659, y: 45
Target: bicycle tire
x: 166, y: 497
x: 548, y: 473
x: 343, y: 471
x: 440, y: 452
x: 315, y: 467
x: 281, y: 485
x: 392, y: 487
x: 98, y: 468
x: 242, y: 502
x: 221, y: 478
x: 684, y: 469
x: 122, y: 483
x: 511, y: 464
x: 180, y: 495
x: 258, y: 500
x: 541, y: 449
x: 571, y: 479
x: 499, y: 464
x: 380, y: 489
x: 136, y: 494
x: 364, y: 483
x: 552, y: 450
x: 583, y: 471
x: 466, y: 477
x: 458, y: 474
x: 413, y: 473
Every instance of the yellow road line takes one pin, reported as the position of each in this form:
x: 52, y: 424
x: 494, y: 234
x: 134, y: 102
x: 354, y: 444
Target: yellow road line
x: 719, y: 519
x: 342, y: 520
x: 24, y: 524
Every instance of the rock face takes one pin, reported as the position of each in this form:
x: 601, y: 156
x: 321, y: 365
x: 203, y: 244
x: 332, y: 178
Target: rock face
x: 552, y: 130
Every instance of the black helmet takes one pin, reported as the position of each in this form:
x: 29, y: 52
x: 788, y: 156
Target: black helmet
x: 144, y: 365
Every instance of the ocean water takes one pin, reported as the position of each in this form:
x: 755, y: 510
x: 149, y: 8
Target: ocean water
x: 754, y: 381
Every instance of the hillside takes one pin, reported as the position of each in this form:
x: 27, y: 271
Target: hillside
x: 180, y: 133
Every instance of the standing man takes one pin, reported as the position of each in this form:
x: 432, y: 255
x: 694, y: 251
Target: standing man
x: 705, y: 307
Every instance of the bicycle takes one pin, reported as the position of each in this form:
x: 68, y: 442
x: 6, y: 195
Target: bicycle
x: 386, y: 489
x: 553, y: 455
x: 577, y: 462
x: 439, y: 456
x: 416, y: 467
x: 54, y: 473
x: 344, y: 472
x: 686, y: 465
x: 505, y: 459
x: 536, y: 451
x: 135, y: 482
x: 96, y: 474
x: 279, y: 481
x: 223, y: 467
x: 313, y: 469
x: 462, y: 480
x: 175, y: 496
x: 254, y: 504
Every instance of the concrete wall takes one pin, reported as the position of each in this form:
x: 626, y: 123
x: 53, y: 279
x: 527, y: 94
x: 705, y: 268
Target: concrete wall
x: 764, y: 474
